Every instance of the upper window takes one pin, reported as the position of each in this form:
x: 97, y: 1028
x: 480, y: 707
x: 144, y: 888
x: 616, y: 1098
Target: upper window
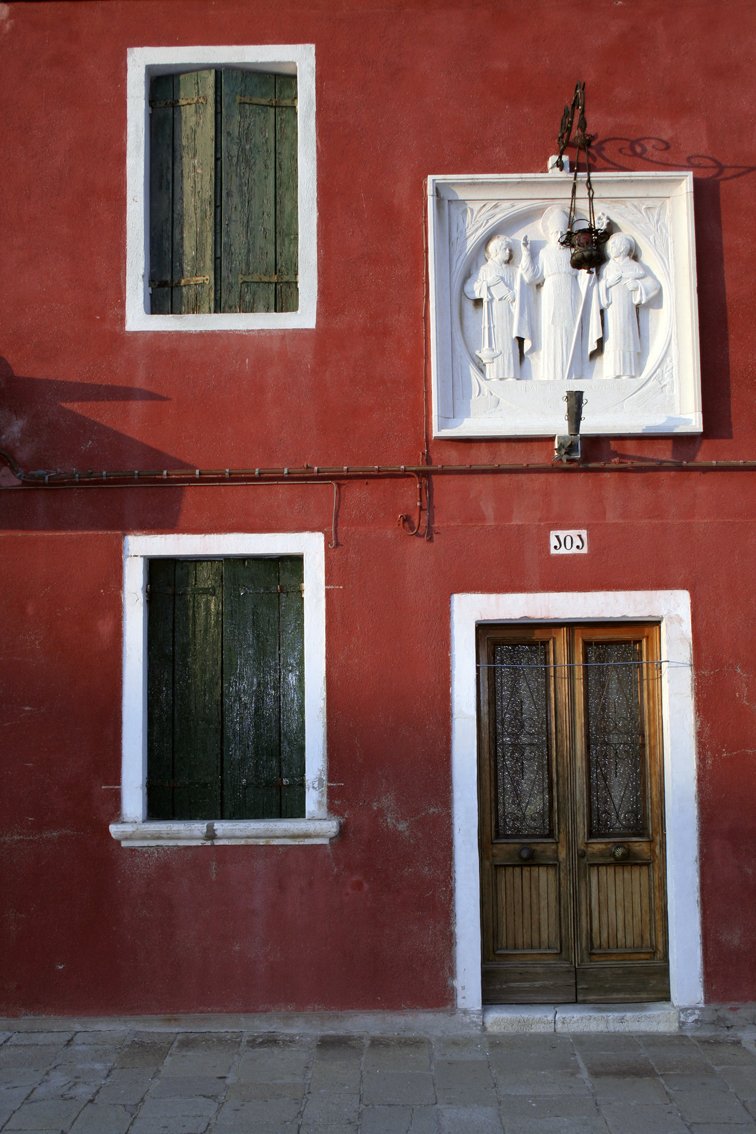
x: 221, y: 169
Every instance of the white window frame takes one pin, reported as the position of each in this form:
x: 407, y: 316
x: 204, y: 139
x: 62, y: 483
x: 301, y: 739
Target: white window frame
x: 134, y: 829
x: 143, y: 63
x: 672, y: 610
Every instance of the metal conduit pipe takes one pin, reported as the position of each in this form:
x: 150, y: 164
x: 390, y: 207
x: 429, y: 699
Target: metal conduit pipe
x: 314, y: 474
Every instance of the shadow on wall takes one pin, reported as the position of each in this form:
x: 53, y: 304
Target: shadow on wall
x: 40, y: 432
x: 616, y: 154
x: 613, y: 154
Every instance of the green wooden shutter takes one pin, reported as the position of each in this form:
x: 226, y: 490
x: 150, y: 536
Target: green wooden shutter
x: 287, y: 212
x: 291, y: 647
x: 185, y: 720
x: 182, y: 193
x: 263, y: 693
x: 259, y: 212
x: 160, y: 684
x: 223, y: 192
x: 226, y: 689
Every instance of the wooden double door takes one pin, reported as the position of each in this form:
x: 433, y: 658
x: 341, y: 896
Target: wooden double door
x: 571, y: 814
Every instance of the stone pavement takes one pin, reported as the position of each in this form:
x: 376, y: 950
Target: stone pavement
x: 91, y: 1078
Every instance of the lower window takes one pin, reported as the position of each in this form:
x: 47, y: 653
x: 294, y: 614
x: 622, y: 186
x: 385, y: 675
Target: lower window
x: 224, y: 690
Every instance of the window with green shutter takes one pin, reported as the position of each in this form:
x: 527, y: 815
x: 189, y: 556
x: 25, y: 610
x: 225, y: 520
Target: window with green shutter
x: 225, y: 688
x: 223, y: 201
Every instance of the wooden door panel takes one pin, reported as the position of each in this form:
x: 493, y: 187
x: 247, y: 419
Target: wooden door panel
x: 571, y: 817
x: 527, y: 909
x: 531, y: 983
x: 621, y: 909
x: 528, y: 949
x: 619, y: 831
x: 621, y: 983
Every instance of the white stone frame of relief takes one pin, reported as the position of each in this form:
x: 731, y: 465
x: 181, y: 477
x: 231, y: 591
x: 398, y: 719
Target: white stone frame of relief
x: 484, y: 296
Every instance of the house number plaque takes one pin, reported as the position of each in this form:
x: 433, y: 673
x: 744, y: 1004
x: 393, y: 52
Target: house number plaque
x: 572, y: 542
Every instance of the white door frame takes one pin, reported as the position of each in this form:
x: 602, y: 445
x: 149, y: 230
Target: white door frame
x: 672, y: 610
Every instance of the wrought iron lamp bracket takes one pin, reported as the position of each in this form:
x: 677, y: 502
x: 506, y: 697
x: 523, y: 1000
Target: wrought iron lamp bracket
x: 585, y: 243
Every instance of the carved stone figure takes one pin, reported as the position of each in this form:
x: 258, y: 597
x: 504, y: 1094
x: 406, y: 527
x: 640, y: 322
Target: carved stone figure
x: 570, y: 317
x: 624, y: 285
x: 495, y: 285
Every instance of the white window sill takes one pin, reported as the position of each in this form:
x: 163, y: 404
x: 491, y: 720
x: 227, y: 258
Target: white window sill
x: 141, y: 320
x: 224, y: 832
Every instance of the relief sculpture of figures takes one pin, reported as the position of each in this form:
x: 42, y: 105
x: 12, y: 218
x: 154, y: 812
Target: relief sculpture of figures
x: 623, y: 286
x: 570, y: 321
x: 495, y: 285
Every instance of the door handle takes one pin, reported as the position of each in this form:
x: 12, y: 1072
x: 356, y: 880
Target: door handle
x: 620, y: 852
x: 526, y: 853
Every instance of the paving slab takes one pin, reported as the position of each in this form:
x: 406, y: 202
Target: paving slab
x: 34, y: 1039
x: 125, y: 1086
x: 547, y: 1106
x: 710, y: 1106
x: 594, y: 1125
x: 656, y: 1118
x: 389, y: 1054
x: 386, y: 1120
x: 477, y: 1120
x: 43, y: 1114
x: 464, y: 1082
x: 630, y: 1090
x: 178, y: 1124
x: 96, y: 1118
x: 543, y: 1083
x: 406, y: 1087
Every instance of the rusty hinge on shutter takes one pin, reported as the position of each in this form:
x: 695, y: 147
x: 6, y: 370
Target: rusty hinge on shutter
x: 250, y: 100
x: 187, y: 281
x: 167, y: 103
x: 171, y: 591
x: 183, y: 783
x: 279, y: 589
x: 279, y: 781
x: 268, y: 279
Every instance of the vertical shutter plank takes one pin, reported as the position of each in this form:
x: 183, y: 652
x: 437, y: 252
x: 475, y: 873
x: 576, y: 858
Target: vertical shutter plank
x: 160, y: 689
x: 197, y: 693
x: 287, y: 220
x: 251, y: 694
x: 194, y: 191
x: 291, y: 635
x: 248, y: 192
x: 161, y: 191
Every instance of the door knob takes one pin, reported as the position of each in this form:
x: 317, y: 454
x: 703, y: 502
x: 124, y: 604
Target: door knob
x: 620, y: 852
x: 526, y: 853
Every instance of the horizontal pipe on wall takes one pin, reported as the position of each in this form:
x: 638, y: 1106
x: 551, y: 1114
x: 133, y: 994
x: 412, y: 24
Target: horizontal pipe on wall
x: 314, y: 474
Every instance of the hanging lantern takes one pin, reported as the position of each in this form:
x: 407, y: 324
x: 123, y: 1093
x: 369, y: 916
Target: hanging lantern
x: 585, y: 241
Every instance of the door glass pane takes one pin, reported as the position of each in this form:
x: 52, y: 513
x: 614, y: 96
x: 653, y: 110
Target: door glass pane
x: 521, y: 742
x: 615, y: 738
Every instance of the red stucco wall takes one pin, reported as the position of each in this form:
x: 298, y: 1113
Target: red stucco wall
x: 404, y: 89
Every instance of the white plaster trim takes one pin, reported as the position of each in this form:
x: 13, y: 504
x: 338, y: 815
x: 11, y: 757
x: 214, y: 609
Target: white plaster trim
x: 142, y: 64
x: 225, y: 832
x: 672, y: 610
x: 137, y: 550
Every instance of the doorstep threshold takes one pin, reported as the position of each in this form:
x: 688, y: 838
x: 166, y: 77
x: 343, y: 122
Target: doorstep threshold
x: 581, y: 1018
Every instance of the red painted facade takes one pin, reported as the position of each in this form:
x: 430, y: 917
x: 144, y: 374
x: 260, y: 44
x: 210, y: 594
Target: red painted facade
x: 405, y: 89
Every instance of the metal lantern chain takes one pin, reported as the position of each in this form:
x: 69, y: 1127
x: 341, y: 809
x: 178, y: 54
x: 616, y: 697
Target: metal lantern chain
x: 584, y: 243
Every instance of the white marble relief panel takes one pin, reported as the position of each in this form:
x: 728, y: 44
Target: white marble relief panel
x: 515, y: 326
